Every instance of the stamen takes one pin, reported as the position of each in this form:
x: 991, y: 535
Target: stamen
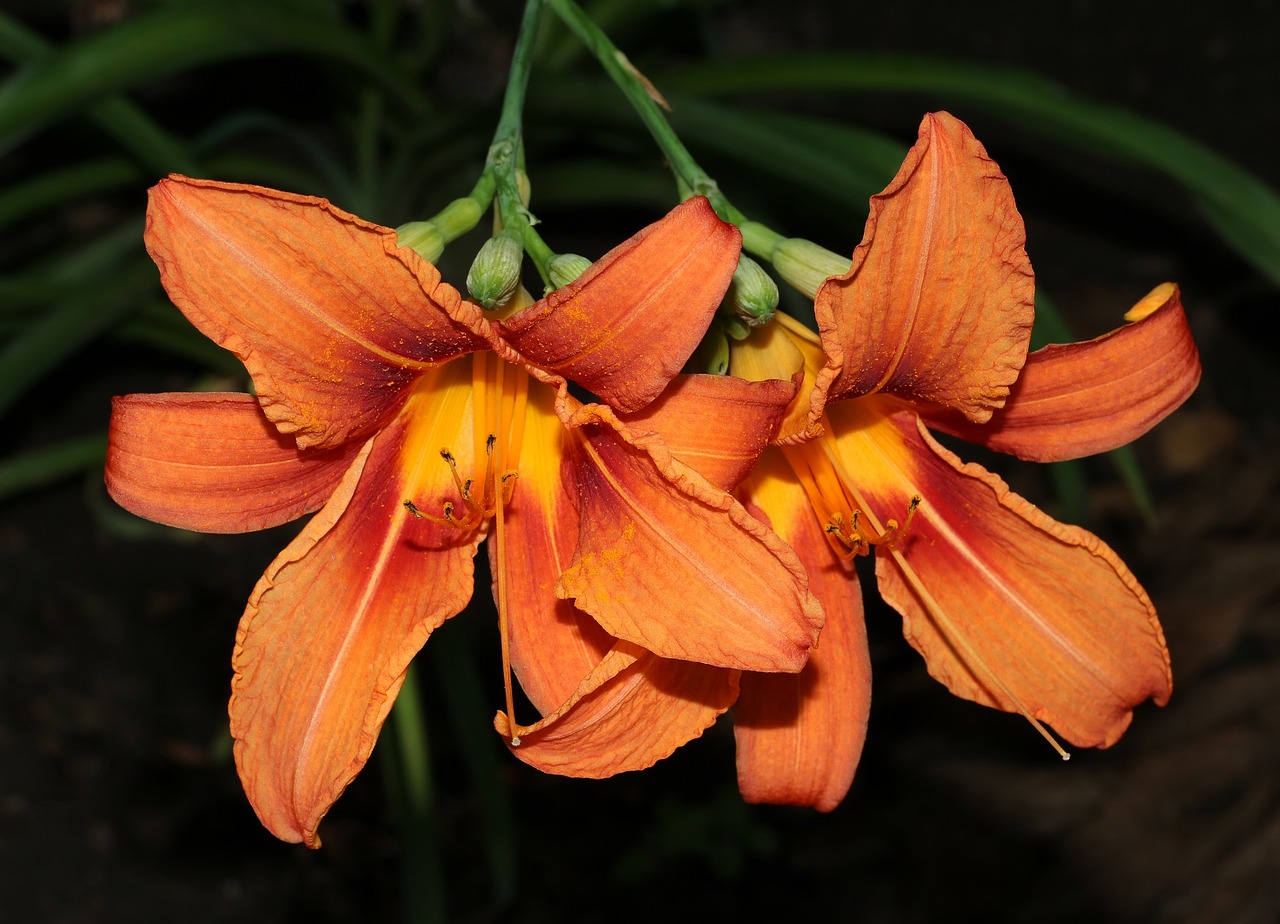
x: 948, y: 628
x: 499, y: 537
x: 499, y: 403
x: 853, y: 540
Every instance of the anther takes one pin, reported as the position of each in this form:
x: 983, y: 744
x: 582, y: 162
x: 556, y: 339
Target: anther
x: 855, y: 539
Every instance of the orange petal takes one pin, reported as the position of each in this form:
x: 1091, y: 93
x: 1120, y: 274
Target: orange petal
x: 632, y: 711
x: 213, y: 463
x: 717, y: 424
x: 628, y: 324
x: 800, y: 736
x: 939, y: 302
x: 1076, y: 399
x: 332, y: 320
x: 1002, y: 600
x: 553, y: 644
x: 670, y: 562
x: 332, y: 625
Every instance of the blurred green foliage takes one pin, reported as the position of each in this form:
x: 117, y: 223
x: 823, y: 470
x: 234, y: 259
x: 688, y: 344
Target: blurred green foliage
x: 385, y: 107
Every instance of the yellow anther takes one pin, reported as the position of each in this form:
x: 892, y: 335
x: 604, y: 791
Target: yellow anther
x: 855, y: 539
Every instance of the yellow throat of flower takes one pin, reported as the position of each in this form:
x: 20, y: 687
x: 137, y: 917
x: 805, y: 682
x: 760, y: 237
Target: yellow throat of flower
x: 499, y: 399
x: 853, y: 529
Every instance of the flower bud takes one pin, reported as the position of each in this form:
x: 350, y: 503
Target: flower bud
x: 458, y: 217
x: 806, y: 266
x: 736, y: 328
x: 429, y: 238
x: 753, y: 295
x: 422, y: 236
x: 495, y: 272
x: 712, y: 354
x: 564, y: 268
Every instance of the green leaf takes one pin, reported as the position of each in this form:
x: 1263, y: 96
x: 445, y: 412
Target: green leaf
x: 82, y: 266
x: 174, y: 39
x: 839, y: 163
x: 575, y: 183
x: 848, y: 165
x: 1244, y: 211
x: 66, y: 327
x: 48, y: 190
x: 38, y: 467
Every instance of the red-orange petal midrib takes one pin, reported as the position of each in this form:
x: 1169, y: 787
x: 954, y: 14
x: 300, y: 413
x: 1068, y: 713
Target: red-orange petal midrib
x: 670, y: 572
x: 332, y: 625
x: 1049, y: 608
x: 213, y: 463
x: 332, y: 320
x: 937, y: 305
x: 628, y: 325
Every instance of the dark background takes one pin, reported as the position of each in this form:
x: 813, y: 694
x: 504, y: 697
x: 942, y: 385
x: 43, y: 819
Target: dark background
x: 118, y: 801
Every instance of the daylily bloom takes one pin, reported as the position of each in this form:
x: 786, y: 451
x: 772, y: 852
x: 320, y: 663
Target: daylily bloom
x: 415, y: 425
x: 1011, y: 609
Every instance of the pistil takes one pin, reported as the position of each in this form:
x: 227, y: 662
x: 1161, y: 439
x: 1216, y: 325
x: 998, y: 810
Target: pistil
x: 887, y: 536
x: 499, y: 393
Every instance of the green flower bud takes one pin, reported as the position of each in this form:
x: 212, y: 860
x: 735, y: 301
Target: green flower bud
x: 806, y: 266
x: 753, y: 295
x: 758, y: 238
x: 564, y: 268
x: 495, y: 272
x: 422, y: 236
x: 428, y: 238
x: 712, y: 354
x: 458, y: 217
x: 736, y: 328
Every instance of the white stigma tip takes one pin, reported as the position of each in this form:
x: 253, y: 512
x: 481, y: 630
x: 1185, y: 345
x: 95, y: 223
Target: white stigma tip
x: 515, y: 742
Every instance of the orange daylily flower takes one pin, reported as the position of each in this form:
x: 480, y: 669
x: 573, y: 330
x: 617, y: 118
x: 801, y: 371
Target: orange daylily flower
x: 414, y: 426
x: 1011, y: 609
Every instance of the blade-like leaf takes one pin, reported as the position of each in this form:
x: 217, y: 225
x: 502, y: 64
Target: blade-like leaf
x: 67, y: 326
x: 1244, y: 211
x: 47, y: 190
x: 38, y: 467
x: 173, y: 39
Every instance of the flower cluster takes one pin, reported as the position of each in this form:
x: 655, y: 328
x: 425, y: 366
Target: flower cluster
x: 678, y: 545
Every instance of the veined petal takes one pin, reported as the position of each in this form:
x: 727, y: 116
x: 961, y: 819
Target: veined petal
x: 667, y: 560
x: 717, y: 424
x: 1077, y: 399
x: 213, y: 463
x: 332, y: 625
x: 553, y: 644
x: 800, y: 736
x: 1002, y: 600
x: 631, y: 711
x: 331, y: 318
x: 939, y: 302
x: 628, y: 324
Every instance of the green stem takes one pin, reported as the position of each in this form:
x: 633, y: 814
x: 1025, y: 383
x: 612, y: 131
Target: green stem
x: 506, y: 153
x: 422, y: 875
x: 638, y: 92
